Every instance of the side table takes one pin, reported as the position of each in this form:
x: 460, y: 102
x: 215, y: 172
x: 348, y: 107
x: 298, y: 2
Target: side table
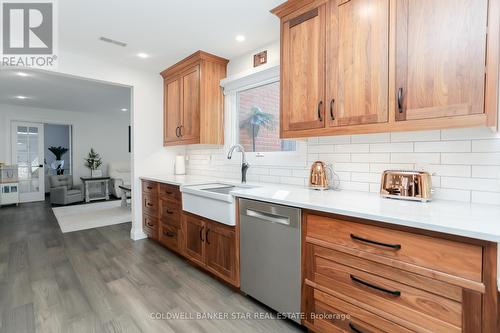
x: 104, y: 183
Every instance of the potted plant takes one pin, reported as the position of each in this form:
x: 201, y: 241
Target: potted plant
x: 255, y: 121
x: 94, y: 161
x: 58, y: 164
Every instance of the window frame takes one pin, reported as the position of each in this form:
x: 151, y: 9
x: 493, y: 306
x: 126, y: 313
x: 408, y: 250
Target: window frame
x: 248, y: 80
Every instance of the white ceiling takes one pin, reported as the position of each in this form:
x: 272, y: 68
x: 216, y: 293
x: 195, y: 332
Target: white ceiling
x: 53, y: 91
x: 168, y: 30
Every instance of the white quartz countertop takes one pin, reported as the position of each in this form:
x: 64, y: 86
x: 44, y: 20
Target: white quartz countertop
x: 451, y: 217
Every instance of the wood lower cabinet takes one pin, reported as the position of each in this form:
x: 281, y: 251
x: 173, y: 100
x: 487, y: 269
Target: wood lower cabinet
x: 193, y: 101
x: 360, y: 276
x: 211, y: 245
x: 365, y: 66
x: 194, y: 242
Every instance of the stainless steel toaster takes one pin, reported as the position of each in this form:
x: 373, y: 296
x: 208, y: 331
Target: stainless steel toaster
x: 406, y: 185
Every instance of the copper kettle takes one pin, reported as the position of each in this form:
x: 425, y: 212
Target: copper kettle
x: 318, y: 178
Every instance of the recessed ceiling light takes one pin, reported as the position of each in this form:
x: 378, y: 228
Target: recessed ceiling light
x: 23, y: 74
x: 240, y: 38
x: 143, y: 55
x: 124, y: 110
x: 21, y: 97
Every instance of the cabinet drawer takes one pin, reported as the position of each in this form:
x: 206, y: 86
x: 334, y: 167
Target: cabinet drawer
x: 150, y: 226
x: 389, y: 297
x: 149, y: 187
x: 442, y: 255
x: 335, y: 315
x: 169, y: 236
x: 170, y: 213
x: 171, y: 192
x: 150, y: 204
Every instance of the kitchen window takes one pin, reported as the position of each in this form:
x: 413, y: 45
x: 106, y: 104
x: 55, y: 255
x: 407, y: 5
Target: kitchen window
x: 253, y: 119
x: 259, y: 119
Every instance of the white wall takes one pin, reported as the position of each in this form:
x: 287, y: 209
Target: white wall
x: 106, y: 132
x: 148, y: 154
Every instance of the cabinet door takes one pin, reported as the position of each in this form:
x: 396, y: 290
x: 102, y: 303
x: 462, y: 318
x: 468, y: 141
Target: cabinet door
x: 357, y: 77
x: 190, y: 126
x: 172, y: 110
x: 303, y: 61
x: 194, y: 238
x: 440, y: 58
x: 221, y: 250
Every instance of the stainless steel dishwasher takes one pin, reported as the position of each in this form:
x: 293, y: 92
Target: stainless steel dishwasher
x: 270, y: 255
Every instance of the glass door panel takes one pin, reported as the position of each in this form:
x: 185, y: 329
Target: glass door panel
x: 27, y: 151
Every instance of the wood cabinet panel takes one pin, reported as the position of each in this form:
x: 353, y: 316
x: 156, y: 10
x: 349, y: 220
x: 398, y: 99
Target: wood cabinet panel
x: 441, y: 255
x: 149, y: 187
x: 150, y: 204
x: 357, y: 62
x: 303, y: 61
x: 337, y: 315
x: 170, y: 192
x: 170, y: 213
x: 194, y: 242
x: 413, y: 305
x: 172, y: 105
x: 441, y: 54
x: 190, y: 106
x: 150, y: 226
x: 220, y: 251
x: 169, y: 236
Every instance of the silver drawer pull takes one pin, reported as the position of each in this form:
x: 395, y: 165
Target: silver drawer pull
x: 268, y: 217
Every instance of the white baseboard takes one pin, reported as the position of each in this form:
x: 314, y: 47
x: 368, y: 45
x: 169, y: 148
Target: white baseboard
x: 136, y: 234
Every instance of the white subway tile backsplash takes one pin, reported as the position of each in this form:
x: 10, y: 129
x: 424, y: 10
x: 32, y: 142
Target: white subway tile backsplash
x: 465, y: 163
x: 471, y: 158
x: 452, y: 194
x: 486, y: 171
x: 371, y: 138
x: 443, y: 146
x: 476, y: 184
x: 469, y: 133
x: 415, y: 136
x: 401, y: 147
x: 365, y: 177
x: 431, y: 158
x: 488, y: 198
x: 371, y: 158
x: 486, y: 145
x: 381, y: 167
x: 352, y: 148
x: 340, y: 139
x: 448, y: 170
x: 320, y: 149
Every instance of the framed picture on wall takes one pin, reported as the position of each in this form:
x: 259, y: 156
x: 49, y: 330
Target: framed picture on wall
x: 129, y: 139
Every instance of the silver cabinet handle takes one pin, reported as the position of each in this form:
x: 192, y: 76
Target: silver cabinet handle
x: 268, y: 217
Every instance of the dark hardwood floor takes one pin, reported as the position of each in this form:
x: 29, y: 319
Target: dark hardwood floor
x: 99, y: 280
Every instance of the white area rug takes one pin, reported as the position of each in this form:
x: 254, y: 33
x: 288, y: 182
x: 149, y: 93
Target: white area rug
x: 94, y: 215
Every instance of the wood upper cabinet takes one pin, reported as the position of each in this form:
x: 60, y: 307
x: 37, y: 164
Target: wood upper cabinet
x: 357, y: 69
x: 303, y: 61
x: 173, y: 117
x: 441, y: 55
x: 193, y: 100
x: 367, y: 66
x: 189, y: 130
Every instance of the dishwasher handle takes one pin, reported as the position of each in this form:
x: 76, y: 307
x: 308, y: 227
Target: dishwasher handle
x: 285, y: 220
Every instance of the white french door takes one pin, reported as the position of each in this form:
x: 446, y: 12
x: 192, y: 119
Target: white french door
x: 27, y: 153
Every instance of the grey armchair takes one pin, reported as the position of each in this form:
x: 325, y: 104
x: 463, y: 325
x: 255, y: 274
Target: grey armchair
x: 62, y: 191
